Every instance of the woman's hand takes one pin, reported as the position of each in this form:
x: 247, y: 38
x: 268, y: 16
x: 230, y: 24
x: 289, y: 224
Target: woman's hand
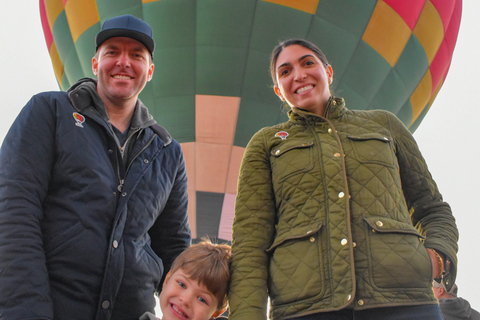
x: 437, y: 263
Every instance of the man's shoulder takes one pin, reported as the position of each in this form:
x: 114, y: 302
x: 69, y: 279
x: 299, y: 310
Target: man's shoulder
x: 456, y: 308
x: 52, y: 94
x: 51, y: 97
x: 162, y: 133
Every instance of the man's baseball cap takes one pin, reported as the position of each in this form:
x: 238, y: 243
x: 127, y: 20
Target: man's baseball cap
x: 127, y: 26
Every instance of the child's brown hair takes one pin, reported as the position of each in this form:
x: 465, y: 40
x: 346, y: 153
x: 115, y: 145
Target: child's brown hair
x: 209, y: 264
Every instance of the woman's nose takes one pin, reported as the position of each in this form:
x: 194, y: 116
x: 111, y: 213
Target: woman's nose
x: 299, y: 74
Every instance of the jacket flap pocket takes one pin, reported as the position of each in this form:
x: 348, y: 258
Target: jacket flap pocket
x: 370, y: 136
x: 287, y: 146
x: 293, y: 234
x: 386, y: 225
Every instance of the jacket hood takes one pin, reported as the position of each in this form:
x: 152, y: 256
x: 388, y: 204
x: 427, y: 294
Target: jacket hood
x: 456, y: 308
x: 83, y: 94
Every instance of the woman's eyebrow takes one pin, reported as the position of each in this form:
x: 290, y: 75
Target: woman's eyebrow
x: 299, y: 59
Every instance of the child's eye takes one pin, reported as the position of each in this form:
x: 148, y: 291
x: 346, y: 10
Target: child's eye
x: 181, y: 284
x: 202, y: 300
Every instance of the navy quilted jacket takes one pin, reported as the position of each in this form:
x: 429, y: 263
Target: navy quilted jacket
x: 335, y: 212
x: 83, y: 235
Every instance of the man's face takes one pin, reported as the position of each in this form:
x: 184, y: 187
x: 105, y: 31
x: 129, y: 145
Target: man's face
x: 123, y: 67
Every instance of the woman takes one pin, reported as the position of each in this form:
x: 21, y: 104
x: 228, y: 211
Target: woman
x: 337, y: 216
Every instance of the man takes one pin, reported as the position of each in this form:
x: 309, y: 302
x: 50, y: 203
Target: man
x: 93, y: 193
x: 452, y: 306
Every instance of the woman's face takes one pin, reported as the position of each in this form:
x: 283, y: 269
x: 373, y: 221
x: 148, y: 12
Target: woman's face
x: 303, y: 80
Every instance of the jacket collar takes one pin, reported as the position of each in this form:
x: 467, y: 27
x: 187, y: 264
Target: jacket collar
x: 335, y: 109
x: 83, y: 95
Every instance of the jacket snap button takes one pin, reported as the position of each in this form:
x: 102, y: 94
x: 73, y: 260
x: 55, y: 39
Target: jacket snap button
x: 341, y: 195
x: 115, y: 244
x: 329, y: 130
x: 312, y: 239
x: 145, y: 160
x: 354, y: 244
x: 379, y: 223
x: 349, y: 297
x: 336, y: 155
x: 344, y: 242
x: 360, y: 302
x: 124, y: 194
x: 105, y: 304
x: 277, y: 152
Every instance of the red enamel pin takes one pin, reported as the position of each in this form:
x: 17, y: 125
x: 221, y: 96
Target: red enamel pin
x: 282, y: 135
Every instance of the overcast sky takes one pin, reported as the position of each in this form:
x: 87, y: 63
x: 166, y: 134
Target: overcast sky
x: 449, y: 136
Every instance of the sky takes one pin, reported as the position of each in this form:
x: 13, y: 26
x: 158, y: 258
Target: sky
x: 448, y: 137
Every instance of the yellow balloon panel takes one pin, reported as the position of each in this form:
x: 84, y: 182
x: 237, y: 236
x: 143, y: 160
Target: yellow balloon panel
x: 429, y: 30
x: 387, y: 32
x: 81, y: 15
x: 309, y: 6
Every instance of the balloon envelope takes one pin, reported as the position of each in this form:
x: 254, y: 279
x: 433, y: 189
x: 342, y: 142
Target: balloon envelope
x: 212, y: 89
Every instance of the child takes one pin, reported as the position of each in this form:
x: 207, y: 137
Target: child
x: 197, y: 284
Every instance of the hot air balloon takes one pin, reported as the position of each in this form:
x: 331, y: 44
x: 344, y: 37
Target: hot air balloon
x: 211, y: 87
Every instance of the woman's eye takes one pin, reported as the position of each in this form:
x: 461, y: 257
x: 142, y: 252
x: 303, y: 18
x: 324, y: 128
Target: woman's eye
x: 309, y: 62
x: 283, y: 72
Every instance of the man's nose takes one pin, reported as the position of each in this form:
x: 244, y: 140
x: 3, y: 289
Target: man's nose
x: 123, y: 60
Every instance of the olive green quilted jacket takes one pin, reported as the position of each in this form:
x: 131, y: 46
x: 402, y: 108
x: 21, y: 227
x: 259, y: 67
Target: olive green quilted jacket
x: 335, y: 212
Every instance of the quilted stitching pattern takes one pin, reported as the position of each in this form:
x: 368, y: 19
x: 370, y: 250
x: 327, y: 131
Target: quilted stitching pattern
x: 311, y: 258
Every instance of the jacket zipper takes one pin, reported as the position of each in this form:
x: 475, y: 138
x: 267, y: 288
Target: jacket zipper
x: 122, y: 151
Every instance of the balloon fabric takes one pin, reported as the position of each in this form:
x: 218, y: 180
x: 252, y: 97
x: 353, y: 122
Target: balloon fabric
x: 212, y: 89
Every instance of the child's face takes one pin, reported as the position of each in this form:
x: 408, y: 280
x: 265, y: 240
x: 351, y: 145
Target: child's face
x: 182, y: 298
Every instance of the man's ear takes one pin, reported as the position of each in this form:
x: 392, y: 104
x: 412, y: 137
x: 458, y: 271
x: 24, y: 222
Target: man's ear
x: 278, y: 93
x: 94, y: 66
x: 150, y: 72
